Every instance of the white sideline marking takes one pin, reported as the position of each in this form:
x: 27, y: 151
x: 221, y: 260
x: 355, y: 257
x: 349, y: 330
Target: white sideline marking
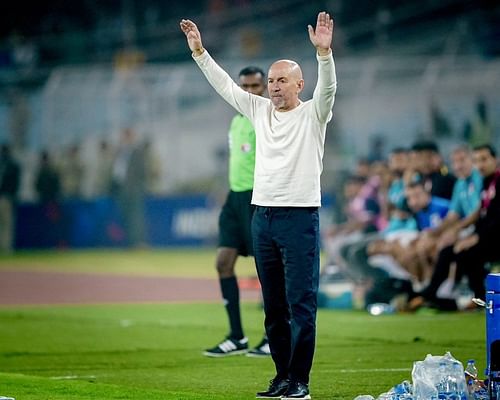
x: 375, y: 370
x: 73, y: 377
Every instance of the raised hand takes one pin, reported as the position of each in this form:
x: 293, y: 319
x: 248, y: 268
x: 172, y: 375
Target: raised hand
x: 322, y: 36
x: 193, y: 36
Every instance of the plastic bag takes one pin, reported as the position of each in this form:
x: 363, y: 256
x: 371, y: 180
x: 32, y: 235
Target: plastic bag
x: 403, y: 391
x: 438, y: 375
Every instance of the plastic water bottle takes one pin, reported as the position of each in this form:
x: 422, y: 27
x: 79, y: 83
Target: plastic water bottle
x: 448, y: 386
x: 442, y: 381
x: 494, y: 385
x: 471, y: 377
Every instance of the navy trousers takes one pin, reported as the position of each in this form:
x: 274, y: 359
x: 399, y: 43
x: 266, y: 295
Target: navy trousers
x: 286, y: 250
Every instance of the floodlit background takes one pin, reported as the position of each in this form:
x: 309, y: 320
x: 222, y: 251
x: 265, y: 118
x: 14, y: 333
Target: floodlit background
x: 76, y: 74
x: 78, y: 77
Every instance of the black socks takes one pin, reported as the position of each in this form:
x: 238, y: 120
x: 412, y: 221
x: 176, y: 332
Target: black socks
x: 231, y: 295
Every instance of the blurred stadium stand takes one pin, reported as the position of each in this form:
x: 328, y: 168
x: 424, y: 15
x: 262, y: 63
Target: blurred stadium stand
x: 82, y: 32
x: 75, y: 72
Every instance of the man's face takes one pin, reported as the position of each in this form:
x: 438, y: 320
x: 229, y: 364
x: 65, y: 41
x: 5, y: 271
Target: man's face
x: 351, y: 189
x: 484, y: 162
x: 284, y: 83
x: 398, y: 162
x: 363, y: 168
x: 424, y: 161
x: 417, y: 198
x: 253, y: 83
x: 461, y: 163
x: 381, y: 170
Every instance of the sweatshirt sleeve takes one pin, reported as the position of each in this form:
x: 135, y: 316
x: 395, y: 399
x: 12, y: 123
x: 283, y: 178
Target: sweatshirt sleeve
x: 224, y: 85
x: 326, y: 87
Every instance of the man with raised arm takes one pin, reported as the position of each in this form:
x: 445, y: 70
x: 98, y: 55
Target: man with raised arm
x: 290, y: 137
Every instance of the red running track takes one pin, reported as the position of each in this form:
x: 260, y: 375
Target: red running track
x: 42, y: 287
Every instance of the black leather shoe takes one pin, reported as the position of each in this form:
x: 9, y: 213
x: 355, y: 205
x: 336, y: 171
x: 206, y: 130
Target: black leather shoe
x: 296, y: 390
x: 276, y: 389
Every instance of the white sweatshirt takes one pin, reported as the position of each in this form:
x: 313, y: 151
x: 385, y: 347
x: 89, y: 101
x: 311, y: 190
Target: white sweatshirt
x: 290, y: 144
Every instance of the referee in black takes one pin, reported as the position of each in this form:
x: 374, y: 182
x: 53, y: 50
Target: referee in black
x: 235, y: 238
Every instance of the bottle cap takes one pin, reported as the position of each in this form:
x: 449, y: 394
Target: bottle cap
x: 471, y: 361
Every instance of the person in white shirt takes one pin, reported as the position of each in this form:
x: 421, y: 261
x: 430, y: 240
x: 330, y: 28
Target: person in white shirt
x: 290, y: 137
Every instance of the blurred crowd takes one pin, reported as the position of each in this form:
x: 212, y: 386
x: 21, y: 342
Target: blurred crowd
x: 125, y: 172
x: 415, y: 233
x: 416, y: 228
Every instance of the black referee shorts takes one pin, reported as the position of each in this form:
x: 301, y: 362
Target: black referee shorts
x: 235, y: 222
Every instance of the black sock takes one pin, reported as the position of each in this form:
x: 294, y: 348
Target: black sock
x: 231, y: 296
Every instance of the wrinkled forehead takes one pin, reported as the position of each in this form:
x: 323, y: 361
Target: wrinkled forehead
x: 459, y: 155
x: 285, y: 69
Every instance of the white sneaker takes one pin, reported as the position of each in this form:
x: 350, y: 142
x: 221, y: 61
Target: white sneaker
x: 228, y: 347
x: 261, y: 350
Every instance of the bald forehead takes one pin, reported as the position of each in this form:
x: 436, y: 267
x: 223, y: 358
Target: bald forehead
x: 285, y: 68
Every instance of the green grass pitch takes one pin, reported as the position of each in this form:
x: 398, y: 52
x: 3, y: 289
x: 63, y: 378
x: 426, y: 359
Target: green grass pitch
x: 153, y: 351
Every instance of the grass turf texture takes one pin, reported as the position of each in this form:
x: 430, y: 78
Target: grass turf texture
x: 154, y: 351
